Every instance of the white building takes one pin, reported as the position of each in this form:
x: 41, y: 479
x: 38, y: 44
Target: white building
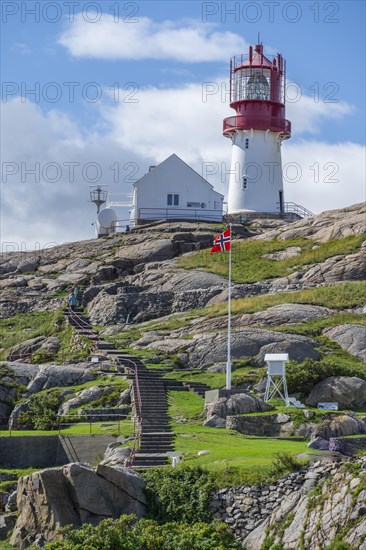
x: 173, y: 190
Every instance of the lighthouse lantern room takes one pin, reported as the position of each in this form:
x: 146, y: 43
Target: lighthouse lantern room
x: 257, y: 93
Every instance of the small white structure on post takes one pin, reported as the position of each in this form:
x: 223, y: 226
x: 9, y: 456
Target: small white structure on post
x: 276, y: 376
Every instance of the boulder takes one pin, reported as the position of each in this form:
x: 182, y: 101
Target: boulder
x: 319, y: 443
x: 124, y: 398
x: 27, y: 265
x: 83, y: 397
x: 215, y: 421
x: 218, y: 367
x: 25, y: 349
x: 351, y: 338
x: 239, y: 403
x: 115, y: 455
x: 49, y: 376
x: 262, y: 425
x: 339, y: 426
x: 18, y: 409
x: 73, y: 495
x: 348, y: 391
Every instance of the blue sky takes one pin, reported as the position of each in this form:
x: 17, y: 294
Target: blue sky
x: 163, y: 58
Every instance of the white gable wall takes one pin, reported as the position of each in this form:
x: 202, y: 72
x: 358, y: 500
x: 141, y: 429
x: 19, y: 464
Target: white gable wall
x: 174, y: 177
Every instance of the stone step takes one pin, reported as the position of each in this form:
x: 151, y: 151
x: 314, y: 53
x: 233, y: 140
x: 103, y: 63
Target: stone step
x: 103, y: 345
x: 149, y: 460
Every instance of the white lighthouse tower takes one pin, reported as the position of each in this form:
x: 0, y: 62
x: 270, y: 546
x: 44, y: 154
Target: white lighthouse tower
x: 257, y: 93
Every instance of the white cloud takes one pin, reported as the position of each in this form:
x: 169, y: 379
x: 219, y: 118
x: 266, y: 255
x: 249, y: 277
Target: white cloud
x: 324, y: 176
x: 307, y: 115
x: 180, y: 41
x: 36, y: 209
x: 164, y: 121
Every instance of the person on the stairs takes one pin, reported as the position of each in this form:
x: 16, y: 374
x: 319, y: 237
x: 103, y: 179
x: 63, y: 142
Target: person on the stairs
x: 72, y: 301
x: 76, y: 294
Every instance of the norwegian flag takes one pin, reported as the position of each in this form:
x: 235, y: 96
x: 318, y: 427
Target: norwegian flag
x: 222, y: 242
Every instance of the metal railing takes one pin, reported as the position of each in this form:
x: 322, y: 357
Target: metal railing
x: 81, y: 324
x: 62, y: 422
x: 179, y: 214
x: 276, y: 124
x: 121, y: 363
x: 292, y: 207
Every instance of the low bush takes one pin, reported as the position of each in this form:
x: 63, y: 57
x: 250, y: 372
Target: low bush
x: 182, y: 494
x: 127, y: 534
x: 42, y: 411
x: 284, y: 463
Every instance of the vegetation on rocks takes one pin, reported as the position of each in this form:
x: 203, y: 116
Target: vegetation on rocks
x: 338, y: 296
x: 302, y: 377
x: 250, y: 257
x: 25, y: 326
x: 179, y: 494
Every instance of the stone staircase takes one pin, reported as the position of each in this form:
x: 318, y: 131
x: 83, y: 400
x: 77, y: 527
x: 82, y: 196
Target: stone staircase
x: 149, y: 395
x: 156, y: 436
x: 177, y: 385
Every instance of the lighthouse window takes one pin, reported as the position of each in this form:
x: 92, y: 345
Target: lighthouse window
x: 244, y: 183
x: 173, y: 199
x: 247, y: 143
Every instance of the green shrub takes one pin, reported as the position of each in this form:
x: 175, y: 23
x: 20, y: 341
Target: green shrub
x: 181, y: 494
x: 284, y: 463
x: 42, y: 411
x: 127, y: 534
x: 302, y: 377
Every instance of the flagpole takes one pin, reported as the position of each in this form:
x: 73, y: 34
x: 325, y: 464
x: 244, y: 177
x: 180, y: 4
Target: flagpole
x: 228, y: 364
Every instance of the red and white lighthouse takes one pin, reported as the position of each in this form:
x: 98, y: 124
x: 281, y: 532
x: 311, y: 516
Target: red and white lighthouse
x: 257, y: 93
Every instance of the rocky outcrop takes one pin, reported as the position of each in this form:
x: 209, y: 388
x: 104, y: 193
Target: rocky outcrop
x: 351, y: 338
x: 209, y: 348
x: 339, y: 426
x: 262, y: 425
x: 50, y: 376
x: 152, y: 294
x: 348, y: 391
x: 325, y: 226
x: 83, y: 397
x: 115, y: 455
x: 317, y: 517
x: 41, y: 343
x: 239, y: 403
x: 285, y: 314
x: 73, y: 495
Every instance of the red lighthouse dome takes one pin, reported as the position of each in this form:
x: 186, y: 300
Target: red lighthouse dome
x: 257, y: 93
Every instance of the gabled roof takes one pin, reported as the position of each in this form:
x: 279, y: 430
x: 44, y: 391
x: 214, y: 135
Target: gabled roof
x: 177, y: 160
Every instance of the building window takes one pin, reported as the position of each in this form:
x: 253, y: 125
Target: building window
x: 247, y: 143
x: 244, y: 182
x: 173, y: 199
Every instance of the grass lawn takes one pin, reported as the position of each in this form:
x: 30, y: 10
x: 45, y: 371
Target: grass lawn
x: 216, y: 380
x: 233, y: 457
x: 124, y: 427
